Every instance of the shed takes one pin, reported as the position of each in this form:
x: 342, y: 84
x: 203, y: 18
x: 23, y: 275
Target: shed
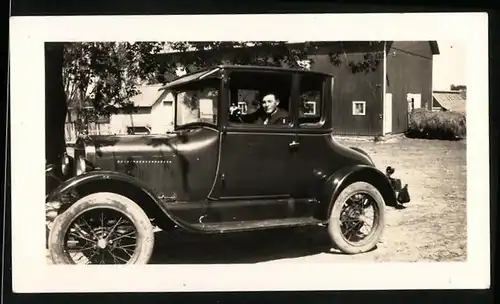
x: 449, y: 101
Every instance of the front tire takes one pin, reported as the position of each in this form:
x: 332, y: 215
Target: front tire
x: 346, y: 222
x: 107, y: 226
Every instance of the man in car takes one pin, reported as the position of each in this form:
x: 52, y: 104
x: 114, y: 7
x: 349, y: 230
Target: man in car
x: 267, y: 114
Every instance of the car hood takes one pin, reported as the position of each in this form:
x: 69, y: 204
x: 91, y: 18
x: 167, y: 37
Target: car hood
x: 100, y: 149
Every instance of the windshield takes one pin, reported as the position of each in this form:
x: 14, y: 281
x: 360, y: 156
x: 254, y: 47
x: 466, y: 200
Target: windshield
x: 197, y: 104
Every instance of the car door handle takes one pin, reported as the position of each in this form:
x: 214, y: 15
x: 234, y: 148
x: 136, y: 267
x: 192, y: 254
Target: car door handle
x: 293, y: 144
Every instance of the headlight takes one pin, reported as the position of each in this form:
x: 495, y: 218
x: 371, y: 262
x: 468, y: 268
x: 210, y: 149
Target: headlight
x: 65, y: 164
x: 81, y: 165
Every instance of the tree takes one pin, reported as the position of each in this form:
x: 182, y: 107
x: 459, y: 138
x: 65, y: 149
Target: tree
x: 198, y: 54
x: 91, y: 76
x: 273, y: 53
x: 97, y: 75
x: 55, y: 103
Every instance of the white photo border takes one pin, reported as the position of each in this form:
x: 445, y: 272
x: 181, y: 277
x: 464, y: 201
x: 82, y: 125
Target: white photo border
x: 30, y: 271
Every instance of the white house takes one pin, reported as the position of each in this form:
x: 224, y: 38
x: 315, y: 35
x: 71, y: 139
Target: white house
x: 154, y: 112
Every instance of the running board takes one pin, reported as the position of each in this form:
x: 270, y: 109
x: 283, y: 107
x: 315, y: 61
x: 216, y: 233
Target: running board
x: 222, y: 227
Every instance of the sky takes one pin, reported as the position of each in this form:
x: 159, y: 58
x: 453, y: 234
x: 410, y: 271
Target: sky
x: 449, y: 65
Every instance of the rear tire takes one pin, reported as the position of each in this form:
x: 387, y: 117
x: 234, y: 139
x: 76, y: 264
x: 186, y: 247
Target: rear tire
x: 335, y: 229
x: 111, y: 202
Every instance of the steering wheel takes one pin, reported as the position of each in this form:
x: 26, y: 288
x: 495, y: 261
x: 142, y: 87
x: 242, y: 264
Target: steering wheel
x: 236, y: 114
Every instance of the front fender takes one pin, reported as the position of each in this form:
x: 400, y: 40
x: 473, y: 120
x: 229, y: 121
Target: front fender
x: 99, y: 181
x: 93, y: 176
x: 347, y: 175
x: 53, y: 179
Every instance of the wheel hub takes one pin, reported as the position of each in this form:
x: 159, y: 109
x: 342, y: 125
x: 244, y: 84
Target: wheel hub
x: 102, y: 243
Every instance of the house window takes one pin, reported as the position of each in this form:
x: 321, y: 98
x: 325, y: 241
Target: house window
x: 309, y: 108
x: 358, y: 108
x: 243, y: 107
x: 247, y: 100
x: 311, y: 91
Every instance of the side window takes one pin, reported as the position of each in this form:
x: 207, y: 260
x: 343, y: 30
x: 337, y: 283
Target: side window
x: 311, y: 94
x: 260, y: 99
x: 198, y: 105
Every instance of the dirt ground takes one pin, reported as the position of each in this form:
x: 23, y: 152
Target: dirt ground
x: 431, y: 228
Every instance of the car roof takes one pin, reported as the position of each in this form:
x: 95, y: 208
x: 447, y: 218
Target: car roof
x: 202, y: 73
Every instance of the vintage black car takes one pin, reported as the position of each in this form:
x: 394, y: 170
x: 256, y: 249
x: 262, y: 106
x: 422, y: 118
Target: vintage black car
x: 229, y: 165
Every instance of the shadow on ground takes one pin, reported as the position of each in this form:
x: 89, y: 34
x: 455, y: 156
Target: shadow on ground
x: 244, y: 247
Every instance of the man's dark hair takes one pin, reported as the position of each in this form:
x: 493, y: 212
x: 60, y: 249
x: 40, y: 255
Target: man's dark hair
x: 267, y: 92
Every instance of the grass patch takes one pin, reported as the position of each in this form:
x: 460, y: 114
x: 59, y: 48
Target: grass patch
x: 445, y: 125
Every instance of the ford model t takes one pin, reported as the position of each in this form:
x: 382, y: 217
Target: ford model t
x: 251, y: 148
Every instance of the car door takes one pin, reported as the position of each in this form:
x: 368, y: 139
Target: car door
x: 256, y: 176
x: 313, y: 151
x: 257, y: 161
x: 257, y: 164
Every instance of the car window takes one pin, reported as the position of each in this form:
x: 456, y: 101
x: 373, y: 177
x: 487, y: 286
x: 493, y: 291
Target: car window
x: 310, y: 108
x: 197, y: 105
x: 260, y: 99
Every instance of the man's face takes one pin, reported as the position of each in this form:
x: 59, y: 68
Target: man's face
x: 269, y: 103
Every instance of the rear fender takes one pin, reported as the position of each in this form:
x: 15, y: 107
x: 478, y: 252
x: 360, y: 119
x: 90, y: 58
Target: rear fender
x: 364, y: 153
x: 68, y: 192
x: 346, y: 176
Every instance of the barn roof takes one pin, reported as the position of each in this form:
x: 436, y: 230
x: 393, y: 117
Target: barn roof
x: 450, y: 100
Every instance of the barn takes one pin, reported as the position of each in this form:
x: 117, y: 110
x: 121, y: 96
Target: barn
x: 376, y: 83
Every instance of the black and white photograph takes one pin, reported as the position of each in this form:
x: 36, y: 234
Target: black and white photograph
x: 277, y: 157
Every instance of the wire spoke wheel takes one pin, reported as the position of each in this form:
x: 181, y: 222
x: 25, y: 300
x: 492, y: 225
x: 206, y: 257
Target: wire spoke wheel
x: 101, y: 236
x: 102, y: 228
x: 357, y: 218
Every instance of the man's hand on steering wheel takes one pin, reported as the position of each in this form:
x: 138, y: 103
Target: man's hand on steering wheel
x: 235, y: 113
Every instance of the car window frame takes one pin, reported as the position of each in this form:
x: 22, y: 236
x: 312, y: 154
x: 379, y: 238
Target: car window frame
x: 194, y: 85
x: 324, y: 98
x: 253, y: 128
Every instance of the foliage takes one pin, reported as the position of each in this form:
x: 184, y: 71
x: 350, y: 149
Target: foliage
x: 198, y: 55
x: 436, y: 125
x: 99, y: 74
x: 458, y: 87
x: 370, y: 63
